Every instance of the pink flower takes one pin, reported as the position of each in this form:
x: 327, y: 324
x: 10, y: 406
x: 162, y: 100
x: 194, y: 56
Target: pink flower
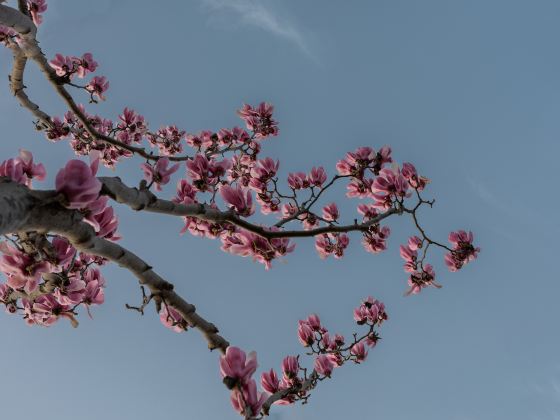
x: 370, y: 311
x: 94, y: 294
x: 390, y: 182
x: 414, y: 180
x: 360, y: 188
x: 240, y: 199
x: 270, y: 381
x: 30, y: 169
x: 248, y: 396
x: 22, y: 270
x: 463, y: 250
x: 414, y: 243
x: 71, y: 292
x: 259, y: 119
x: 330, y: 212
x: 359, y: 351
x: 78, y: 183
x: 290, y: 367
x: 323, y: 365
x: 420, y: 279
x: 186, y: 193
x: 35, y: 7
x: 64, y: 66
x: 46, y: 311
x: 317, y: 176
x: 328, y: 244
x: 265, y: 169
x: 13, y: 169
x: 86, y: 65
x: 97, y: 86
x: 298, y: 180
x: 247, y: 244
x: 305, y: 334
x: 159, y: 173
x: 105, y: 224
x: 237, y: 366
x: 375, y: 239
x: 172, y: 319
x: 64, y: 251
x: 314, y: 322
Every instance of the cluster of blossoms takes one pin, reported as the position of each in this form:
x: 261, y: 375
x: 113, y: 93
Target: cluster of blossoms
x: 294, y: 383
x: 46, y: 278
x: 423, y: 275
x: 463, y: 250
x: 66, y: 67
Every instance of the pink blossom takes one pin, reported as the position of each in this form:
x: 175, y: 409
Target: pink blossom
x: 71, y: 292
x: 390, y: 182
x: 86, y: 65
x: 323, y: 365
x: 314, y: 322
x: 420, y: 279
x: 290, y: 367
x: 248, y: 244
x: 334, y: 244
x: 259, y: 119
x: 298, y: 180
x: 247, y: 396
x: 463, y: 250
x: 30, y: 169
x: 35, y: 7
x: 168, y: 140
x: 22, y: 269
x: 78, y: 183
x: 237, y: 366
x: 375, y: 238
x: 13, y: 169
x: 159, y: 174
x: 240, y: 199
x: 270, y: 381
x: 305, y: 334
x: 265, y: 169
x: 64, y: 66
x: 64, y: 251
x: 359, y: 351
x: 172, y: 319
x: 355, y: 162
x: 94, y: 294
x: 97, y: 86
x: 414, y: 180
x: 368, y: 211
x: 186, y: 193
x: 360, y: 188
x: 370, y: 311
x: 414, y: 243
x: 330, y: 212
x: 317, y: 176
x: 106, y: 224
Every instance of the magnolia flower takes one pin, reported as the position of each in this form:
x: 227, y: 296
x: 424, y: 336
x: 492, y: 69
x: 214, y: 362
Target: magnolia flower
x: 78, y: 183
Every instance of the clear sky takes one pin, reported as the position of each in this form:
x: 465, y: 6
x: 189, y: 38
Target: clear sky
x: 466, y: 90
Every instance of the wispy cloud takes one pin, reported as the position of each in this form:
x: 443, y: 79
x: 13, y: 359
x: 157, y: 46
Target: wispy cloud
x: 256, y: 13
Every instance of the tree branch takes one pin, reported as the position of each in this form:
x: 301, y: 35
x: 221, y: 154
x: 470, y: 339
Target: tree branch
x: 23, y: 210
x: 144, y: 199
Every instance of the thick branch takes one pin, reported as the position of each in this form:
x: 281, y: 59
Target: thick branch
x: 22, y: 210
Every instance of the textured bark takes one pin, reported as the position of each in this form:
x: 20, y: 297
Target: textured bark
x: 16, y: 203
x: 23, y: 210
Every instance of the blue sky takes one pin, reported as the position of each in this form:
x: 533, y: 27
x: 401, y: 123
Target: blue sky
x: 466, y: 90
